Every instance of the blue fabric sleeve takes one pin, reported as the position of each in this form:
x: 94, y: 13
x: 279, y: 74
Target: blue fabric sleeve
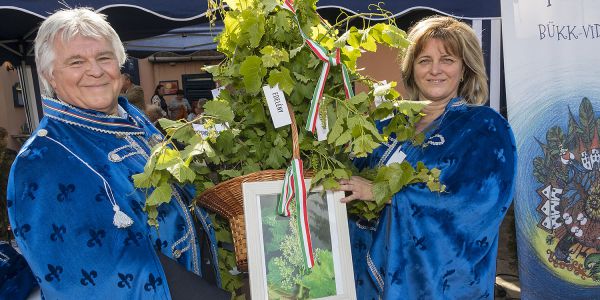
x: 67, y: 236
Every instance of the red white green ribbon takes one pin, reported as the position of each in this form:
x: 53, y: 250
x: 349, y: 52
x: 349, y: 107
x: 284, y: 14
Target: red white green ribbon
x: 287, y: 193
x: 328, y: 60
x: 294, y: 187
x: 289, y: 5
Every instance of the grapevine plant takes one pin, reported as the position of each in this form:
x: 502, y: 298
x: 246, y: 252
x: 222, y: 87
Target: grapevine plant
x: 263, y: 46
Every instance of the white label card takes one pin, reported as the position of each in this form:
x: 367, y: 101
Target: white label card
x: 322, y: 131
x: 204, y: 132
x: 277, y: 106
x: 398, y: 157
x: 215, y: 93
x: 381, y: 99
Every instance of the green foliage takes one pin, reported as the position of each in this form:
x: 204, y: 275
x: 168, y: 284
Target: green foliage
x: 263, y: 45
x: 226, y: 258
x: 286, y: 276
x: 321, y: 280
x: 592, y: 264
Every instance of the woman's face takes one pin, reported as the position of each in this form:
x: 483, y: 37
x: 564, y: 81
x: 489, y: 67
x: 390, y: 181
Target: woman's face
x: 86, y: 73
x: 436, y: 72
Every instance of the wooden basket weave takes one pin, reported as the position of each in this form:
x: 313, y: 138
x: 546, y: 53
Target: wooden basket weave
x: 227, y: 199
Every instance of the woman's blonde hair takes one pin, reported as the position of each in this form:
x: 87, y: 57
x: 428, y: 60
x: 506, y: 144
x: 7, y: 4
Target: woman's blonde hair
x: 459, y: 40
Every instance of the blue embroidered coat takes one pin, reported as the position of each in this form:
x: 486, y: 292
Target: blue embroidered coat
x: 429, y: 245
x: 59, y: 199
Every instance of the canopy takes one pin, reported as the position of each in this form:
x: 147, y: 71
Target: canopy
x: 136, y: 21
x: 181, y: 41
x: 133, y: 19
x: 463, y: 9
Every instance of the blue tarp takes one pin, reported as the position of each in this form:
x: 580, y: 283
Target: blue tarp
x: 180, y: 41
x: 141, y: 19
x: 133, y: 19
x: 464, y: 9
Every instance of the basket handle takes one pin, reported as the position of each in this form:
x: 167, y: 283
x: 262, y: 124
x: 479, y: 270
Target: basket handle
x: 294, y: 127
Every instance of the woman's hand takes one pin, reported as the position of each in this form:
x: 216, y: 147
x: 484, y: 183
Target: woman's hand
x: 359, y: 188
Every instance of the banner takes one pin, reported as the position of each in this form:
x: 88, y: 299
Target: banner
x: 552, y: 70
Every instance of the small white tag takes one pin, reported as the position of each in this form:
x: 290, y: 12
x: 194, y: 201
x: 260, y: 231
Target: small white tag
x: 277, y: 106
x: 322, y: 132
x: 204, y: 132
x: 398, y: 157
x: 381, y: 99
x: 199, y: 128
x: 215, y: 93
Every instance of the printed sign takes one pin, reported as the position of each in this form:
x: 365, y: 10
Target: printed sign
x: 553, y: 97
x: 277, y: 106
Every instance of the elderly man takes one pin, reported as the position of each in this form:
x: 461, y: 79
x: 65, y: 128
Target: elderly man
x: 75, y: 213
x: 133, y: 93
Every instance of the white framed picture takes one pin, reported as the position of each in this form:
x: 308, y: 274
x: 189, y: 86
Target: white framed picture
x: 275, y: 262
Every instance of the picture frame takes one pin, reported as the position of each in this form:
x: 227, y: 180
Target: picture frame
x: 171, y: 86
x: 270, y: 241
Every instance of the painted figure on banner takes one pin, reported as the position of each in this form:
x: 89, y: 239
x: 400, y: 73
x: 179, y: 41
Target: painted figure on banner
x: 439, y: 245
x: 568, y: 212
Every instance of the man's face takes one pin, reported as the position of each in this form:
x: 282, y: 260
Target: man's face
x: 86, y: 73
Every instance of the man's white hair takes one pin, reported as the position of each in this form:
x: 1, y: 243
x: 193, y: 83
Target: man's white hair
x: 67, y: 24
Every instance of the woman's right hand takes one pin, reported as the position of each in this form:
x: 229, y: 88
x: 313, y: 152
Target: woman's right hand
x: 359, y: 188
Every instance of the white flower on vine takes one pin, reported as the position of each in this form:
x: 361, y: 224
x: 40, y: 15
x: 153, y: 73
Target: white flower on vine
x: 382, y: 89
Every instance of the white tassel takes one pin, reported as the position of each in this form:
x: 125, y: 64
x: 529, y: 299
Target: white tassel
x: 121, y: 220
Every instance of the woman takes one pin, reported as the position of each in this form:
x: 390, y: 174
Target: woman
x: 75, y: 213
x: 159, y: 100
x: 198, y: 109
x: 430, y: 245
x: 179, y: 107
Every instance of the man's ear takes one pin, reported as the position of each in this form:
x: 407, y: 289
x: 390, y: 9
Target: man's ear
x: 51, y: 80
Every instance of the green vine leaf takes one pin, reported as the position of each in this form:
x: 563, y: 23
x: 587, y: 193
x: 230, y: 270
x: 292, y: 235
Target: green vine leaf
x: 253, y: 27
x: 219, y: 109
x: 272, y: 57
x: 161, y: 194
x: 283, y: 78
x: 182, y: 173
x: 253, y: 72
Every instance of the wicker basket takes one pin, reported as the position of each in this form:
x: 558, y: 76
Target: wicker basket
x: 227, y: 199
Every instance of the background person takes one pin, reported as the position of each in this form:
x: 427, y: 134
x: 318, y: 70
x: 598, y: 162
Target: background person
x: 158, y: 99
x: 179, y: 107
x: 76, y: 216
x: 7, y: 156
x: 440, y: 245
x: 133, y: 93
x: 198, y: 109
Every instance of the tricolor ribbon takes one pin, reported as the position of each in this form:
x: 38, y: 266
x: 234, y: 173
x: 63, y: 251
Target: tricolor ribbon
x: 295, y: 188
x: 328, y: 60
